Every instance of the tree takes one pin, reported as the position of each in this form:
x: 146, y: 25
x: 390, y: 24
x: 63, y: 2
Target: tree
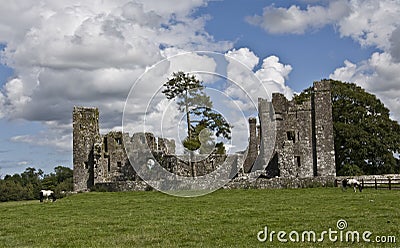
x: 27, y: 185
x: 364, y: 133
x: 61, y: 180
x: 31, y: 181
x: 31, y: 176
x: 202, y: 121
x: 63, y: 173
x: 350, y: 170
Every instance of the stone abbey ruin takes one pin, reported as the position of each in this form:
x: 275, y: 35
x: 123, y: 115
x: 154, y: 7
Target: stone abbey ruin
x: 303, y: 150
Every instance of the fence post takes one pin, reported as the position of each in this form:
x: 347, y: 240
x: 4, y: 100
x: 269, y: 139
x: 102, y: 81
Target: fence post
x: 390, y: 184
x: 376, y: 185
x: 362, y: 182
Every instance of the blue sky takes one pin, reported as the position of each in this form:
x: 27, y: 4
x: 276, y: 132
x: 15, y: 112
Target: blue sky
x: 312, y: 56
x: 57, y: 55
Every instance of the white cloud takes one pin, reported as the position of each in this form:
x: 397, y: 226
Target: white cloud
x: 85, y: 39
x: 68, y: 53
x: 296, y: 20
x: 146, y: 102
x: 378, y: 75
x: 23, y: 163
x: 181, y: 60
x: 56, y: 135
x: 375, y: 23
x: 2, y: 105
x: 245, y: 56
x: 248, y: 84
x: 395, y: 45
x: 46, y: 139
x: 269, y: 78
x: 368, y: 22
x: 14, y: 91
x: 273, y: 70
x: 79, y: 46
x: 345, y: 73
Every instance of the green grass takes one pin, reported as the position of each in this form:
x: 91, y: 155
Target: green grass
x: 226, y: 218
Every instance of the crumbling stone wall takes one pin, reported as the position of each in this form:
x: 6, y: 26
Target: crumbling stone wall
x: 166, y: 146
x: 294, y: 137
x: 281, y: 183
x: 237, y: 183
x: 304, y: 136
x: 112, y: 163
x: 102, y: 159
x: 303, y: 145
x: 252, y: 150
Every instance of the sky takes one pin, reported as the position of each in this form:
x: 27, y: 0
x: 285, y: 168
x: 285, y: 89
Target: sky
x: 58, y: 54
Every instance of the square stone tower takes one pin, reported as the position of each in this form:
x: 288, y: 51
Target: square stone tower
x: 323, y: 150
x: 304, y: 143
x: 85, y: 134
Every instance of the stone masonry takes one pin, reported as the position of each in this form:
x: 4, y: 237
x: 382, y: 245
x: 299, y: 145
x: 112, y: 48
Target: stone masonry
x: 102, y: 159
x: 85, y: 135
x: 304, y: 136
x: 303, y: 145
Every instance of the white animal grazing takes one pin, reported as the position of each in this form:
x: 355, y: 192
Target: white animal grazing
x: 352, y: 182
x: 46, y: 194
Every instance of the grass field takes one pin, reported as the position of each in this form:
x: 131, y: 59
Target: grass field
x: 226, y: 218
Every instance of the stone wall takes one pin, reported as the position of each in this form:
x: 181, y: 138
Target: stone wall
x: 122, y: 186
x: 304, y: 135
x: 266, y: 153
x: 281, y: 183
x: 85, y: 134
x: 252, y: 149
x: 303, y: 146
x: 103, y: 160
x: 112, y: 163
x: 237, y: 183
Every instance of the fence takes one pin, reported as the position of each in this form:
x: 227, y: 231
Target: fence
x: 381, y: 183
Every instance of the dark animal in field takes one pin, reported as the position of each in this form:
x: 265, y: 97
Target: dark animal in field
x: 46, y: 194
x: 352, y: 183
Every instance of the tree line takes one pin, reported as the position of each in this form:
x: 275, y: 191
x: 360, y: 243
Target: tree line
x: 27, y: 185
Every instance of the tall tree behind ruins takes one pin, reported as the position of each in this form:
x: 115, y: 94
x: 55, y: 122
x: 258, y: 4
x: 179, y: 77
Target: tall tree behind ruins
x: 202, y: 121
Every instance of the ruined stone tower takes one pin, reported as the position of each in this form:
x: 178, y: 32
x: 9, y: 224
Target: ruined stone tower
x: 85, y: 134
x: 102, y: 158
x: 323, y: 151
x: 304, y: 135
